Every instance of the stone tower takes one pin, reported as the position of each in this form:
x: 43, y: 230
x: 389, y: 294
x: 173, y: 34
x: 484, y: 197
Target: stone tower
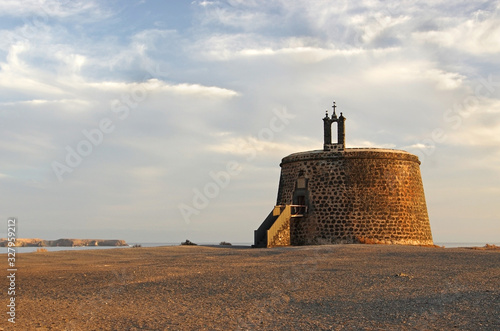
x: 347, y: 195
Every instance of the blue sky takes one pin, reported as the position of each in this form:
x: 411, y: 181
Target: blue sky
x: 165, y: 120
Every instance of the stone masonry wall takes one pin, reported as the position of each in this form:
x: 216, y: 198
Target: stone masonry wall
x: 357, y: 195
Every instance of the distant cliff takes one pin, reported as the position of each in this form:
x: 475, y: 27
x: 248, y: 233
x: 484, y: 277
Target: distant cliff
x: 35, y: 242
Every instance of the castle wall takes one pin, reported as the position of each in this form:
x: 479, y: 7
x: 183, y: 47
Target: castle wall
x: 356, y: 195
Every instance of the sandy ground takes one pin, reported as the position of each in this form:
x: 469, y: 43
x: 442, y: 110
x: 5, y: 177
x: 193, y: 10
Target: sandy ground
x: 340, y: 287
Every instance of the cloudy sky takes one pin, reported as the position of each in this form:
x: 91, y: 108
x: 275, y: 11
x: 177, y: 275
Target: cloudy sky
x: 157, y: 121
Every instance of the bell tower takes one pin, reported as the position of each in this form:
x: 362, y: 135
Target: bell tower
x: 327, y: 134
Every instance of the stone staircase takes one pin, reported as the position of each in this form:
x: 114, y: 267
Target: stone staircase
x: 275, y: 230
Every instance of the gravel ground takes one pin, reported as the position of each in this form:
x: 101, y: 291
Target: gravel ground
x: 337, y: 287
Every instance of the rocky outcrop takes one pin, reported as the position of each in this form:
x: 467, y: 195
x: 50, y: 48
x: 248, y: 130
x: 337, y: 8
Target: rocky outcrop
x: 188, y: 243
x: 35, y: 242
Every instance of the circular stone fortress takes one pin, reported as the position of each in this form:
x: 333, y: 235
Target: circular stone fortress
x: 347, y: 195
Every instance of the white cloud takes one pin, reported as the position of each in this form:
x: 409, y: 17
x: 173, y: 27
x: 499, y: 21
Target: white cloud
x: 304, y: 54
x: 301, y: 50
x: 357, y: 143
x: 148, y: 173
x: 136, y: 53
x: 31, y: 146
x: 21, y: 74
x: 40, y: 10
x: 473, y: 124
x: 251, y: 146
x: 444, y: 80
x: 155, y: 85
x: 371, y: 27
x: 414, y: 71
x: 246, y: 15
x: 205, y: 3
x: 479, y: 35
x: 477, y: 134
x: 63, y: 104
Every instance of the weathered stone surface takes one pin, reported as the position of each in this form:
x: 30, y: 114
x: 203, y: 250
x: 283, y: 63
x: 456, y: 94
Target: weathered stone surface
x: 356, y: 195
x: 282, y: 238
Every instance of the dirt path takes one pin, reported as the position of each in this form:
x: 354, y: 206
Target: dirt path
x: 340, y: 287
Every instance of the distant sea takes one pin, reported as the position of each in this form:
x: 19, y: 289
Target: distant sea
x: 3, y: 250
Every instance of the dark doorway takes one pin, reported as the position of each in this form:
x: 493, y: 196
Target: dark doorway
x: 300, y: 200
